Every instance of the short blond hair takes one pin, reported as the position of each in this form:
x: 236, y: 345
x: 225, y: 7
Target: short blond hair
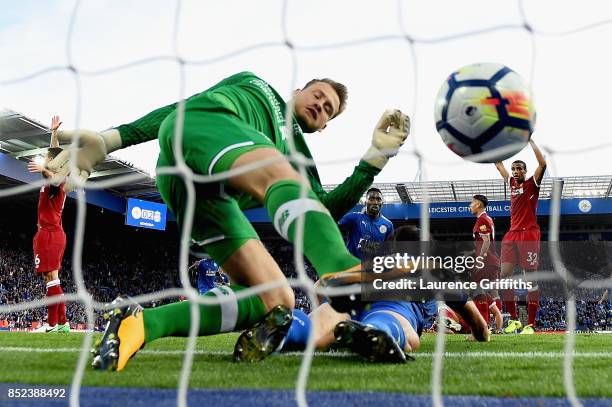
x: 338, y: 87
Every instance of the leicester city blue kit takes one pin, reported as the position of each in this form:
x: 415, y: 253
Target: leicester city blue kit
x: 365, y: 233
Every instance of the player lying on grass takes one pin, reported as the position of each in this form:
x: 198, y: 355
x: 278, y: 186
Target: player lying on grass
x: 381, y: 331
x: 241, y: 122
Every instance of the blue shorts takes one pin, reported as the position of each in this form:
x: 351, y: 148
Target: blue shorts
x: 418, y: 314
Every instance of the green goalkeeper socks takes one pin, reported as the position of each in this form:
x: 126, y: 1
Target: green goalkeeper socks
x: 323, y: 244
x: 231, y: 315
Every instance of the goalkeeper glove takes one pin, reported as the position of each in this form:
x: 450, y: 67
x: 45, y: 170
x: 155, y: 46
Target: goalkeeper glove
x: 92, y: 150
x: 389, y: 135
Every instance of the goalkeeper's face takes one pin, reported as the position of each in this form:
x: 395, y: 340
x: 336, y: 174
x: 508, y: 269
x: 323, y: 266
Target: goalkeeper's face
x: 314, y: 106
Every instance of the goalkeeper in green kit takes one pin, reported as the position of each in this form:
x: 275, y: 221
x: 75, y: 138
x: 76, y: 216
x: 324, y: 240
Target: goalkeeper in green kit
x: 238, y: 122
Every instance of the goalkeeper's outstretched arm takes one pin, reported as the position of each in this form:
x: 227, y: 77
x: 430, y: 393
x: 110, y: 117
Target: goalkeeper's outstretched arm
x: 93, y: 146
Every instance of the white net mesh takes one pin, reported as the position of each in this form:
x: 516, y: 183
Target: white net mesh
x: 294, y: 49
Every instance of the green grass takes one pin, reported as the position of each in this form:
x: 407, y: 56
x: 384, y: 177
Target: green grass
x: 476, y: 375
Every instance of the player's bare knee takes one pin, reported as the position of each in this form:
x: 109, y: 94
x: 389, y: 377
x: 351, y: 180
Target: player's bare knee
x: 257, y: 181
x: 281, y: 171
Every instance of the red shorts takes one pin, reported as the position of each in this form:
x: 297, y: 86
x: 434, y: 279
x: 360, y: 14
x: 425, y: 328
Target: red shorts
x: 48, y: 250
x: 522, y: 247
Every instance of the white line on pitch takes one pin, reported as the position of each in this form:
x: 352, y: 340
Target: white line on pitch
x: 336, y: 354
x: 519, y: 354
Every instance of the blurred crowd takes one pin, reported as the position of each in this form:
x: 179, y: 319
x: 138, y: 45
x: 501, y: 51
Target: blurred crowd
x: 125, y: 265
x: 109, y: 271
x: 591, y: 315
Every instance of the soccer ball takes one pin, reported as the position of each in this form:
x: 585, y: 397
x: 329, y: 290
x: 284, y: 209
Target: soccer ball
x: 484, y: 112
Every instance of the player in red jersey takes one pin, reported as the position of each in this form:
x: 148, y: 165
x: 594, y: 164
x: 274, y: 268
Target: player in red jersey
x: 484, y: 236
x: 50, y: 239
x: 521, y: 244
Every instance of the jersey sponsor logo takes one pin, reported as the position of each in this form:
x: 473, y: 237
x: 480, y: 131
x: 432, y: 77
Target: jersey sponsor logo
x: 383, y: 228
x: 265, y: 88
x: 366, y: 245
x: 516, y: 191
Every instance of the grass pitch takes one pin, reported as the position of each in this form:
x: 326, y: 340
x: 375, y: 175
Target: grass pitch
x: 510, y: 365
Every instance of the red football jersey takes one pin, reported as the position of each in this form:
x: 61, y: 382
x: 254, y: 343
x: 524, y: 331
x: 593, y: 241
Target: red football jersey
x: 484, y: 226
x: 523, y: 204
x: 50, y: 209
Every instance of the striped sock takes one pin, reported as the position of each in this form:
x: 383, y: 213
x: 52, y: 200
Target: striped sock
x: 175, y: 319
x: 323, y: 243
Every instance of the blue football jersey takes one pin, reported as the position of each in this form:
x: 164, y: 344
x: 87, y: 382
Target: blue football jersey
x: 365, y: 233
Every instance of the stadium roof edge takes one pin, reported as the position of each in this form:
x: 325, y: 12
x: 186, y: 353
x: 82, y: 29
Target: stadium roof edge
x: 22, y: 138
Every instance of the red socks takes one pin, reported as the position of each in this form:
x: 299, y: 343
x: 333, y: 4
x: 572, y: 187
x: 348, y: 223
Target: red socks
x: 533, y: 304
x: 56, y: 313
x: 510, y: 302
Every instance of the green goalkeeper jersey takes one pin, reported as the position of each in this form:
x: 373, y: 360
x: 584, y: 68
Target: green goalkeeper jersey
x: 253, y: 100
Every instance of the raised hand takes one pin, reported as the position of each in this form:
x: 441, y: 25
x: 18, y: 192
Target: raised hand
x: 35, y: 167
x: 55, y: 123
x: 389, y: 135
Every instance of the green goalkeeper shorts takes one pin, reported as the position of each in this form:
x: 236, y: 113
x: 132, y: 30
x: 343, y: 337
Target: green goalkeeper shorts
x: 212, y: 140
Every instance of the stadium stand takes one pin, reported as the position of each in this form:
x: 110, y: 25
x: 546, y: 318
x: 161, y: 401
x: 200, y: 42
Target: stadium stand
x: 119, y: 260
